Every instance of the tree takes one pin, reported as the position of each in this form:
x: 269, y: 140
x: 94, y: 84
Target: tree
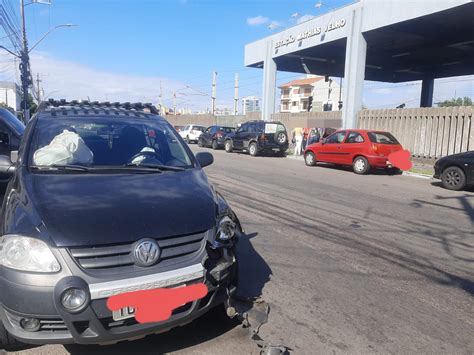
x: 466, y: 101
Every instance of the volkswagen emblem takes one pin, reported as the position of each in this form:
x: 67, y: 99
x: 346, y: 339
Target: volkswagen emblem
x: 146, y: 252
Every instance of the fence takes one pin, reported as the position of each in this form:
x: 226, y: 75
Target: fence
x: 428, y: 133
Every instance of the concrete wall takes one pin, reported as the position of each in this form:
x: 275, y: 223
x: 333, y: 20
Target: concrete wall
x: 290, y: 120
x: 428, y: 133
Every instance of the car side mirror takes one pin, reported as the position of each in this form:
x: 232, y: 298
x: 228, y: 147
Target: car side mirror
x: 204, y: 159
x: 6, y: 165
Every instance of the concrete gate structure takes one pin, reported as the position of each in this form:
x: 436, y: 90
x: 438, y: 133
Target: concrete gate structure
x: 379, y: 40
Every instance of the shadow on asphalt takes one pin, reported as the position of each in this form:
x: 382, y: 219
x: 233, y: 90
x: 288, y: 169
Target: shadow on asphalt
x: 347, y: 168
x: 254, y: 273
x: 469, y: 188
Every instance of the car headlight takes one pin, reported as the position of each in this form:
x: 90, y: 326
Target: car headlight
x: 27, y: 254
x: 225, y: 229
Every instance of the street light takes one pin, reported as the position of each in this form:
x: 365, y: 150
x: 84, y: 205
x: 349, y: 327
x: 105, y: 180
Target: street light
x: 47, y: 33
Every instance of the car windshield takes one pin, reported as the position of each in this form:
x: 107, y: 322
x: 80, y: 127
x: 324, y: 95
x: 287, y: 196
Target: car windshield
x: 107, y: 142
x: 382, y: 138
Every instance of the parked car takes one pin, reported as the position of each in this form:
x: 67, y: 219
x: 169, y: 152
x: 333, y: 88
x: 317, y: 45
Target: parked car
x: 11, y: 131
x: 258, y: 137
x: 361, y: 149
x: 214, y: 136
x: 178, y: 128
x: 455, y: 171
x: 191, y: 133
x: 92, y: 211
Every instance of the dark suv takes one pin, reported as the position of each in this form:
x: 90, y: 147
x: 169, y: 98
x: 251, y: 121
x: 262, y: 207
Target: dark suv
x: 258, y: 137
x: 105, y: 200
x: 214, y: 136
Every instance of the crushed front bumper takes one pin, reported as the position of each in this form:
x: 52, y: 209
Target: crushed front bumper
x: 94, y: 324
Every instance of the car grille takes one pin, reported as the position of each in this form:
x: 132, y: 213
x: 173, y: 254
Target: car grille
x: 112, y: 257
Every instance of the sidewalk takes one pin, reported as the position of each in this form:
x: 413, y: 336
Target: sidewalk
x: 419, y: 169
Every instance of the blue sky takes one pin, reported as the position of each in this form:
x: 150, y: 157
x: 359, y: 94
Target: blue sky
x: 122, y: 49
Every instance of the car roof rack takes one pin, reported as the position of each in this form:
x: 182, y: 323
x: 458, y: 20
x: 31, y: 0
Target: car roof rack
x: 55, y: 106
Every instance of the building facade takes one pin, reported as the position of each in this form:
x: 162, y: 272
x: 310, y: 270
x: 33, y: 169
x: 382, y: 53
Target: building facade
x: 10, y: 95
x: 298, y: 95
x: 250, y: 104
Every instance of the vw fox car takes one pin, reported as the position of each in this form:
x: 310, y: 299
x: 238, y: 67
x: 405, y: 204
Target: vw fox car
x: 257, y: 137
x: 362, y: 149
x: 191, y: 133
x: 93, y: 210
x: 456, y: 171
x: 214, y: 136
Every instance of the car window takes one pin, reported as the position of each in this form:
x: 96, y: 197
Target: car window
x: 354, y: 137
x: 337, y: 137
x: 12, y: 122
x: 382, y: 138
x: 106, y: 142
x: 186, y: 128
x: 226, y: 129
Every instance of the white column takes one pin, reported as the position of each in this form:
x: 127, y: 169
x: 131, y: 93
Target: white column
x: 269, y: 84
x: 354, y: 71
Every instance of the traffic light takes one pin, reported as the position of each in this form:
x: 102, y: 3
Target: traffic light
x: 310, y: 103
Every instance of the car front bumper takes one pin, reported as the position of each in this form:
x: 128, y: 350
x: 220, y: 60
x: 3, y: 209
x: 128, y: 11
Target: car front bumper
x: 94, y: 324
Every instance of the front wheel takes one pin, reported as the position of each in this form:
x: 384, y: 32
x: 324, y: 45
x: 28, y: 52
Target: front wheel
x: 214, y: 144
x: 310, y: 159
x: 200, y: 143
x: 228, y: 146
x: 453, y: 178
x: 360, y: 166
x: 253, y: 149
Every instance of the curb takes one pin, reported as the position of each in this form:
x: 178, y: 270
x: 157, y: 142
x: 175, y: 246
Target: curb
x: 295, y: 157
x: 419, y: 176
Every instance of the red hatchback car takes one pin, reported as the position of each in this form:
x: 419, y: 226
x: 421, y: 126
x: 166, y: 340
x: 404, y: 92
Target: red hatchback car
x: 363, y: 149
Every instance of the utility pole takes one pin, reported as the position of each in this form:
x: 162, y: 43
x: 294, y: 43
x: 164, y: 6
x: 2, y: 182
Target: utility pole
x: 174, y: 103
x: 38, y: 89
x: 24, y: 65
x: 236, y: 94
x: 213, y: 97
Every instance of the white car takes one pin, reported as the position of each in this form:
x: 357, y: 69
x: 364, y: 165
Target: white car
x: 191, y: 132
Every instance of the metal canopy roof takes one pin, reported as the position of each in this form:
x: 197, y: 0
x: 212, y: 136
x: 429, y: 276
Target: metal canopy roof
x: 436, y: 45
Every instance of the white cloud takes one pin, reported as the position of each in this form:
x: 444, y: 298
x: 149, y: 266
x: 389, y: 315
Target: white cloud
x: 258, y: 20
x: 274, y: 25
x: 304, y: 18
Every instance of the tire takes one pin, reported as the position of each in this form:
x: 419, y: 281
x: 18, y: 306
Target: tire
x: 310, y: 159
x: 360, y: 165
x: 214, y: 144
x: 453, y: 178
x: 200, y: 143
x: 7, y: 342
x: 281, y: 138
x: 253, y: 150
x: 228, y: 146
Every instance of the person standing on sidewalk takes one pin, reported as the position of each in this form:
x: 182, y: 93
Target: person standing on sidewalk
x: 298, y: 134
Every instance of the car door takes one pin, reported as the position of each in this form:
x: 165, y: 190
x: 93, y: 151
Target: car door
x: 330, y: 150
x: 238, y: 141
x: 249, y: 134
x: 469, y: 164
x: 206, y: 136
x: 353, y: 145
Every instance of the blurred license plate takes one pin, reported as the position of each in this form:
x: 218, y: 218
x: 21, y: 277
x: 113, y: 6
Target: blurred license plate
x: 124, y: 313
x: 276, y: 149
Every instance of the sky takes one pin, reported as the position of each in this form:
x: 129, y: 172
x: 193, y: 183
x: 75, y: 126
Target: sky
x: 121, y: 50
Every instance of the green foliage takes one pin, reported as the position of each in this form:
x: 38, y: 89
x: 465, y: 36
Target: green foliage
x: 460, y: 101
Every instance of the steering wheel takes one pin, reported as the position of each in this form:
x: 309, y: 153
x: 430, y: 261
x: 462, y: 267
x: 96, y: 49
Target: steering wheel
x: 145, y: 154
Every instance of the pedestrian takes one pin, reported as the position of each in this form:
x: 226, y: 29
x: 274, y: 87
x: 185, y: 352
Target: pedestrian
x: 298, y: 134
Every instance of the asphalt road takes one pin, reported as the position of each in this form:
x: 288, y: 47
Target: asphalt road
x: 348, y: 264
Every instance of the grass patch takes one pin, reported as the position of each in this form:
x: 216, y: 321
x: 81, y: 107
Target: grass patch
x: 422, y: 170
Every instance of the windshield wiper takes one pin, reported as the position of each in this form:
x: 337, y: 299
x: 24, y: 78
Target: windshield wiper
x: 65, y: 167
x: 157, y: 166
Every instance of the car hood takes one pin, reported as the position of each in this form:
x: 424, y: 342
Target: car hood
x: 93, y: 209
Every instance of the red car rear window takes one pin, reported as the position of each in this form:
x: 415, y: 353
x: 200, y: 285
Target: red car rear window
x: 382, y: 138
